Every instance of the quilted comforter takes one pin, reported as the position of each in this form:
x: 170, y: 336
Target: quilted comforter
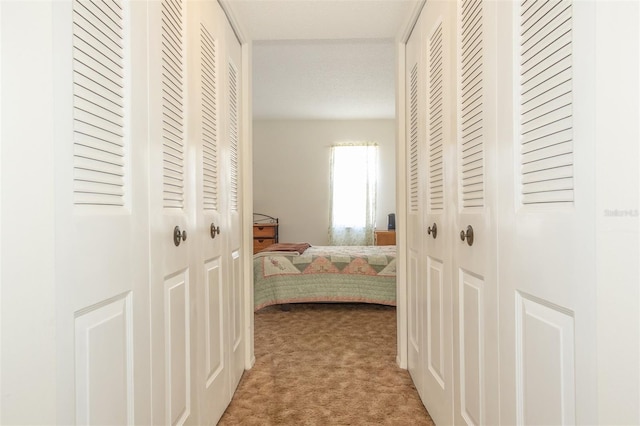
x: 326, y: 274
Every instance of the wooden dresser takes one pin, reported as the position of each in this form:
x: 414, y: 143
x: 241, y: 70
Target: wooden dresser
x: 385, y: 238
x: 264, y: 234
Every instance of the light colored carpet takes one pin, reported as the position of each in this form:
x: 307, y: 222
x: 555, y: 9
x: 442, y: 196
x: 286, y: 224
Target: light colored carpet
x: 326, y: 364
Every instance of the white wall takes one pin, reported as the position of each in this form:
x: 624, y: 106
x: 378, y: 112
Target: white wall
x: 617, y: 219
x: 291, y: 172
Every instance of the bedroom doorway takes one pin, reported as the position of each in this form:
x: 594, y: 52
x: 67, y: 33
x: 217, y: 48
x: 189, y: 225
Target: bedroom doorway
x: 292, y: 146
x: 292, y: 164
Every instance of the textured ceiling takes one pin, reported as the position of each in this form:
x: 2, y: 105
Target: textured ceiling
x: 319, y: 19
x: 322, y: 59
x: 324, y: 80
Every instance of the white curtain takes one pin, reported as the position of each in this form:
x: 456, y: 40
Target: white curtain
x: 354, y: 170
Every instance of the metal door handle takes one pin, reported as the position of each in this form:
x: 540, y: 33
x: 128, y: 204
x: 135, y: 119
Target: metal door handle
x: 433, y: 230
x: 468, y: 235
x: 177, y: 236
x: 214, y: 230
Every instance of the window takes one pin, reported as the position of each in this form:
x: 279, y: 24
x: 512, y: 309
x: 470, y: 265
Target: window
x: 354, y: 170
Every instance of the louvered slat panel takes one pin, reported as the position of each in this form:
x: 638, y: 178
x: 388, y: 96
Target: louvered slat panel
x: 413, y: 149
x: 545, y: 175
x: 209, y: 120
x: 435, y: 122
x: 173, y: 104
x: 98, y: 117
x: 98, y: 103
x: 94, y: 65
x: 471, y: 107
x: 546, y: 102
x: 233, y: 136
x: 86, y: 88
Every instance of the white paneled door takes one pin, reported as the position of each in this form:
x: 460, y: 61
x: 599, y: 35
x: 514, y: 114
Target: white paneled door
x: 232, y: 125
x: 475, y: 231
x: 415, y: 134
x: 546, y: 209
x: 212, y: 217
x: 439, y: 153
x: 101, y: 235
x: 173, y: 239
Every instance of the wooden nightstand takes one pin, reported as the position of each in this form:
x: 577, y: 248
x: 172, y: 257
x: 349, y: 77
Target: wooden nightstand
x: 264, y: 234
x: 385, y: 238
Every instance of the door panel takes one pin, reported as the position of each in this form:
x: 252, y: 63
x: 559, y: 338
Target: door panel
x: 438, y: 47
x: 414, y: 322
x: 414, y: 130
x: 546, y: 379
x: 547, y: 287
x: 171, y: 222
x: 207, y: 107
x: 104, y: 378
x: 214, y: 330
x: 177, y: 347
x: 475, y: 260
x: 101, y: 208
x: 236, y: 302
x: 471, y: 336
x: 233, y: 119
x: 437, y: 328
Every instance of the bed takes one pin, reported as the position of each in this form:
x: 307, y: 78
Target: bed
x: 364, y: 274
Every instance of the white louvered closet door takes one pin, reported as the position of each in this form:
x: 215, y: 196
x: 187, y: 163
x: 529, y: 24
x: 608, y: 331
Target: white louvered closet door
x: 232, y: 135
x: 101, y: 234
x: 415, y: 230
x: 173, y: 239
x: 439, y: 146
x: 475, y: 260
x: 207, y: 106
x: 546, y: 243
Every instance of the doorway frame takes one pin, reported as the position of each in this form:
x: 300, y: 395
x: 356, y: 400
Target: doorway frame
x: 246, y: 165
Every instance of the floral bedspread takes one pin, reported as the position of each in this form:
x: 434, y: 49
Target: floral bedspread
x: 326, y: 274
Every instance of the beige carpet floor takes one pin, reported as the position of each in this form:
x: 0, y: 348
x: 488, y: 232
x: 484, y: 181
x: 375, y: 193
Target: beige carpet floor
x: 326, y: 364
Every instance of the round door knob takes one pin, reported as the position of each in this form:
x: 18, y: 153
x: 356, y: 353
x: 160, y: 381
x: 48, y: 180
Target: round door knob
x: 184, y: 235
x: 213, y: 230
x: 433, y: 230
x: 467, y: 235
x: 177, y: 236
